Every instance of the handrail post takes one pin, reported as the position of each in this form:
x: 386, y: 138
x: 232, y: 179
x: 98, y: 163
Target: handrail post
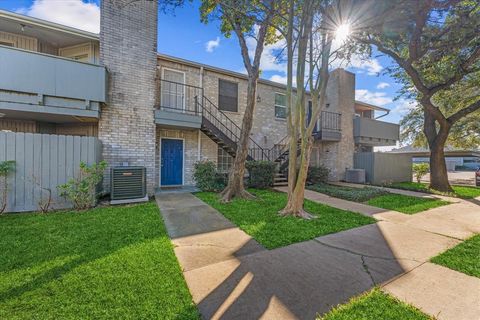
x: 196, y: 104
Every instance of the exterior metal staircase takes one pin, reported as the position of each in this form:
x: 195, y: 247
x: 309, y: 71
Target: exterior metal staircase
x: 189, y: 100
x: 226, y: 133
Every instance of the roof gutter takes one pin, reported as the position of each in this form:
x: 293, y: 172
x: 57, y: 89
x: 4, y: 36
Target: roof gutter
x: 383, y: 115
x: 22, y: 19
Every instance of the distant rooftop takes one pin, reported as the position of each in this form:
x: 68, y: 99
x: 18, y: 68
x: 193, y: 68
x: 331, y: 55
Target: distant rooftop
x: 425, y: 152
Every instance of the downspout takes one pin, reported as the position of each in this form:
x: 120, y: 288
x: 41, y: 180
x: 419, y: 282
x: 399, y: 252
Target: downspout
x: 199, y: 144
x: 383, y: 115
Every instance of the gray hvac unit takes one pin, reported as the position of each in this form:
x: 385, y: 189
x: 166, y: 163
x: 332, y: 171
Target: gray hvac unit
x: 355, y: 175
x: 128, y: 184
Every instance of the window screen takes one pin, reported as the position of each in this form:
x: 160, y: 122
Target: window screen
x: 280, y: 106
x: 227, y: 95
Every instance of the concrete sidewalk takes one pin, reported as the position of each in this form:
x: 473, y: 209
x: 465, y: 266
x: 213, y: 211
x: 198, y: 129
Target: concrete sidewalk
x: 436, y: 290
x: 231, y: 276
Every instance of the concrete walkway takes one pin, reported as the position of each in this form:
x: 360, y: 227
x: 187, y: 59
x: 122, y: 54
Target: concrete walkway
x: 438, y: 291
x: 231, y: 276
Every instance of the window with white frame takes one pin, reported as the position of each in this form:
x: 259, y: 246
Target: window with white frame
x: 280, y: 106
x: 224, y: 161
x: 173, y: 90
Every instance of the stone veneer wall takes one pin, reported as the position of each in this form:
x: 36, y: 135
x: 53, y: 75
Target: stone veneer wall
x: 341, y: 97
x: 128, y: 37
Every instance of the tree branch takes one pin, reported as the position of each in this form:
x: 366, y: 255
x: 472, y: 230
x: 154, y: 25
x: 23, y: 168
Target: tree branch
x: 463, y: 112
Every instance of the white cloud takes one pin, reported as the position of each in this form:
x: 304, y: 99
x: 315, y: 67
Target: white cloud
x: 375, y: 98
x: 383, y: 85
x: 370, y: 65
x: 269, y: 60
x: 402, y: 107
x: 212, y: 44
x: 278, y: 78
x: 73, y: 13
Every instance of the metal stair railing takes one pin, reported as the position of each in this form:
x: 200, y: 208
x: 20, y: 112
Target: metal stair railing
x: 230, y: 129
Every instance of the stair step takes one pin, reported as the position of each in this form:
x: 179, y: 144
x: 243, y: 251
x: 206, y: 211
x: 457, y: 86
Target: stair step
x: 280, y: 184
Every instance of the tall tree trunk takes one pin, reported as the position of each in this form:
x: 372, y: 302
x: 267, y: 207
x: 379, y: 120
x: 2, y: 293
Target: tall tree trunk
x: 436, y: 142
x: 294, y: 206
x: 235, y: 186
x: 438, y: 169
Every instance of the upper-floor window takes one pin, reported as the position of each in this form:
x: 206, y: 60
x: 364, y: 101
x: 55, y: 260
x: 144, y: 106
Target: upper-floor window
x: 280, y: 106
x: 227, y: 95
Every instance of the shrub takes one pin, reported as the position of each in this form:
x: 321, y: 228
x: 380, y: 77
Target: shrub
x: 6, y: 167
x: 349, y: 193
x: 420, y: 170
x: 261, y: 174
x: 82, y: 190
x: 206, y: 176
x: 318, y: 174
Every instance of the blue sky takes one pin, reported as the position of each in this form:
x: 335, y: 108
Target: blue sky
x: 182, y: 35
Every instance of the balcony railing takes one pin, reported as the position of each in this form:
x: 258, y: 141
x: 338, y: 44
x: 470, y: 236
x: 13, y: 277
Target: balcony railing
x: 374, y: 132
x: 30, y: 78
x: 329, y: 121
x: 179, y: 97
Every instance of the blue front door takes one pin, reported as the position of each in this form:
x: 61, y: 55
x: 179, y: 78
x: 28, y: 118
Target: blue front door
x: 171, y: 162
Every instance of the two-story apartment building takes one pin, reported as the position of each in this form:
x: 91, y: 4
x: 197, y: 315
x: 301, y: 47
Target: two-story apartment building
x: 158, y: 111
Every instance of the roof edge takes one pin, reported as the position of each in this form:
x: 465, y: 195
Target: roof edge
x: 217, y: 69
x: 48, y: 24
x: 374, y: 107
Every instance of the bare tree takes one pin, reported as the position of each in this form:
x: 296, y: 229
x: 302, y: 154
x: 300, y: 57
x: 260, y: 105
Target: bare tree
x: 310, y: 33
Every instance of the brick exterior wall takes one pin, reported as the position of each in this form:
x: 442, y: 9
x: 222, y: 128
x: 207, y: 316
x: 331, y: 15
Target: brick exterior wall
x: 192, y: 145
x: 341, y: 98
x: 128, y: 37
x: 267, y: 129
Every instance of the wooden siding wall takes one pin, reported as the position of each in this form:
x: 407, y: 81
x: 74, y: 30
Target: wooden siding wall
x: 18, y: 125
x: 384, y: 168
x: 22, y: 42
x: 43, y: 161
x: 31, y: 126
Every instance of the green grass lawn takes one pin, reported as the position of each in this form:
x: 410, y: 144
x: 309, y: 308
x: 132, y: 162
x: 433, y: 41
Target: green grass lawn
x: 260, y: 219
x: 379, y: 198
x: 405, y: 204
x: 464, y: 192
x: 464, y: 257
x: 105, y: 263
x: 375, y: 305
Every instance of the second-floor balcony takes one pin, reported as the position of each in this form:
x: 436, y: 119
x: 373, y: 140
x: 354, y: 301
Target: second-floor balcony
x: 40, y: 85
x: 328, y: 127
x: 179, y: 105
x: 371, y: 132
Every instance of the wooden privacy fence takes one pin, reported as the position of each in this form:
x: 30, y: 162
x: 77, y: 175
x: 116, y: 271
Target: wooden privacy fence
x: 43, y: 161
x: 383, y: 168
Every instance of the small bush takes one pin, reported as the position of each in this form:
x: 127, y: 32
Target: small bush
x: 318, y: 174
x: 206, y: 176
x: 261, y: 174
x: 6, y: 167
x: 82, y: 190
x: 349, y: 193
x: 420, y: 170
